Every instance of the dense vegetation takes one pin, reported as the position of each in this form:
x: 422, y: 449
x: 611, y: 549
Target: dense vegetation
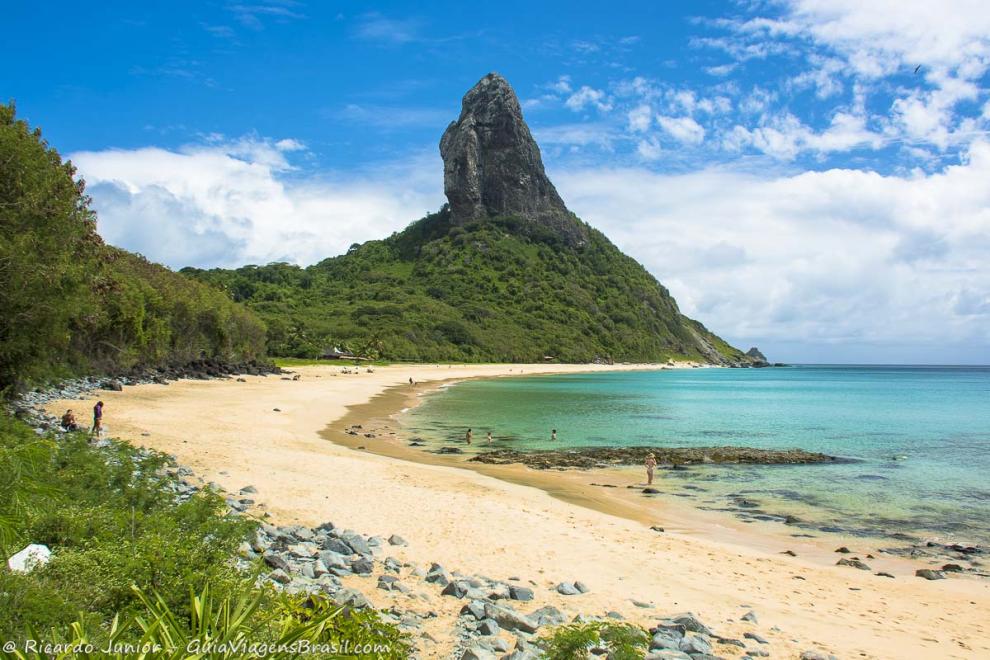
x: 498, y: 289
x: 72, y: 304
x: 124, y: 547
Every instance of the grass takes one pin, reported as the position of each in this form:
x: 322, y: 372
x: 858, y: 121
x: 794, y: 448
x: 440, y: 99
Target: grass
x: 130, y: 563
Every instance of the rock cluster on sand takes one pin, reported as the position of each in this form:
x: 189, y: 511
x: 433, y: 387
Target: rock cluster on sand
x: 597, y: 457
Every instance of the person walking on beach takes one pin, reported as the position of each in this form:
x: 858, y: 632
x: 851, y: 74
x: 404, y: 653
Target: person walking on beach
x: 553, y: 434
x: 411, y: 381
x: 651, y: 465
x: 468, y: 436
x: 97, y: 418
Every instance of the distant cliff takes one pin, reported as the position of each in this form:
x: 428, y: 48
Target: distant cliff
x: 504, y: 272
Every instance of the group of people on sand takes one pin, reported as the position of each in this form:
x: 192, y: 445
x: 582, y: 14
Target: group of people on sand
x: 69, y: 422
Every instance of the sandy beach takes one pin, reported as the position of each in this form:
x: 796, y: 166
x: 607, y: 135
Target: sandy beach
x: 287, y: 439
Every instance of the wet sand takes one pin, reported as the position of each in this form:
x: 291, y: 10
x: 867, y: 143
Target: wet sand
x: 547, y: 527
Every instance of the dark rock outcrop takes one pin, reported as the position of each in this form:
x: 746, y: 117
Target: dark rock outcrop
x: 757, y: 357
x: 492, y: 164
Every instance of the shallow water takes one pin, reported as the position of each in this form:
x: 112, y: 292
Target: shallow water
x: 921, y: 436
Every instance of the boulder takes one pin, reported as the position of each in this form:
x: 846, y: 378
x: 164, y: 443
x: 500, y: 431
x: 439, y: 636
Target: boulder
x: 567, y: 589
x: 520, y: 593
x: 436, y: 575
x: 395, y: 539
x: 548, y: 615
x: 457, y: 589
x: 362, y: 566
x: 510, y: 619
x: 929, y: 574
x: 276, y: 561
x: 695, y: 643
x: 351, y: 598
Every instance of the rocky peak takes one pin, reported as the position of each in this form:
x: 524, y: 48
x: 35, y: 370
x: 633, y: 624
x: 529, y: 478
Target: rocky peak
x: 492, y: 164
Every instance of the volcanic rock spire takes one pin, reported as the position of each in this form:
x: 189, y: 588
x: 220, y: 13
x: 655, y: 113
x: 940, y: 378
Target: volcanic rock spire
x: 492, y: 164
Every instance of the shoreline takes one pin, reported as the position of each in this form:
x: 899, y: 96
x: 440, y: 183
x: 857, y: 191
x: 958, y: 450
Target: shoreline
x: 615, y: 490
x: 482, y: 523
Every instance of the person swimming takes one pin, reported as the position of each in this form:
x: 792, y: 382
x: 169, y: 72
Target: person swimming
x: 553, y: 434
x: 651, y: 465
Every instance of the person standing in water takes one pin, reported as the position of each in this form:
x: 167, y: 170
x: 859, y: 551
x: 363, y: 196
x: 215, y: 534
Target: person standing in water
x: 468, y: 436
x: 97, y: 418
x: 651, y: 465
x: 489, y: 437
x: 553, y: 434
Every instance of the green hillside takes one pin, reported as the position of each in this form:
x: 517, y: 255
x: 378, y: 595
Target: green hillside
x: 73, y: 305
x: 496, y: 289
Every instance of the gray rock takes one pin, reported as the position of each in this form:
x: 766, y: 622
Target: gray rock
x: 276, y: 561
x: 548, y: 615
x: 663, y: 641
x: 488, y: 627
x: 457, y: 589
x: 854, y: 563
x: 492, y: 165
x: 691, y: 623
x: 929, y: 574
x: 567, y: 589
x: 813, y: 655
x: 352, y: 598
x: 333, y: 559
x: 520, y: 593
x: 582, y: 587
x: 338, y: 546
x: 358, y: 544
x: 362, y: 566
x: 248, y: 490
x: 510, y: 619
x: 749, y: 616
x: 392, y: 564
x: 395, y: 539
x: 666, y: 654
x: 478, y: 652
x: 755, y: 637
x: 695, y: 643
x: 387, y: 582
x: 475, y: 608
x: 280, y: 576
x: 436, y: 575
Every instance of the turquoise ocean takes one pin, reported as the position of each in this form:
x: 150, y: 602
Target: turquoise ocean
x: 918, y: 437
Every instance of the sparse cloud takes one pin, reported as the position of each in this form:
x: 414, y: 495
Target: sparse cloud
x: 588, y: 96
x: 388, y: 31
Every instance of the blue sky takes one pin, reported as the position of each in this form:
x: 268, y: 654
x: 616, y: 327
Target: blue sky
x: 806, y: 176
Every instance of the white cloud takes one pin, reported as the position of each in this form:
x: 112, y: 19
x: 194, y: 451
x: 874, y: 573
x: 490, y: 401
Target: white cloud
x: 237, y: 202
x: 640, y: 118
x: 854, y: 261
x: 586, y: 96
x: 682, y: 129
x: 649, y: 149
x: 785, y: 137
